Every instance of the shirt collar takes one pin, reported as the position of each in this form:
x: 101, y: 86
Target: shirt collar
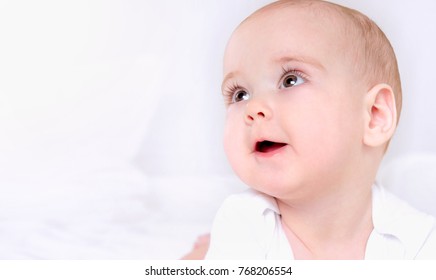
x: 391, y: 216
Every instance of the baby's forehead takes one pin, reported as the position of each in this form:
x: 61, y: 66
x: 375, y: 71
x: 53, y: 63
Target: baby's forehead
x: 282, y: 19
x: 286, y: 18
x: 283, y: 15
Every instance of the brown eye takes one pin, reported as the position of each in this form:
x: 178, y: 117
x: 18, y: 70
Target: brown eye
x: 292, y: 80
x: 240, y: 95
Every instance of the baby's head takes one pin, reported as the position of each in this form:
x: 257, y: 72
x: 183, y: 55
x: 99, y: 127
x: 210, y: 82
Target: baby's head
x: 313, y: 97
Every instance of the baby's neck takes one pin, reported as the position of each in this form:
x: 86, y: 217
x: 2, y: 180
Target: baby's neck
x: 335, y: 227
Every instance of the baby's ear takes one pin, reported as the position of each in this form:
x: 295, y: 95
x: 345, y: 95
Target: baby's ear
x: 380, y: 115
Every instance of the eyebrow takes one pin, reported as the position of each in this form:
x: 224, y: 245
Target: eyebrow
x: 301, y: 59
x: 280, y: 60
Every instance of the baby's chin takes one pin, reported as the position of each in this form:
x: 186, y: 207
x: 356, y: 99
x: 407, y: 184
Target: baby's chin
x: 277, y: 187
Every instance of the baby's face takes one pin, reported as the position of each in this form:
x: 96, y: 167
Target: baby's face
x: 295, y: 110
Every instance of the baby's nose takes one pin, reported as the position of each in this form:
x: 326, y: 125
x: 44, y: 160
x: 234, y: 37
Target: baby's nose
x: 257, y: 110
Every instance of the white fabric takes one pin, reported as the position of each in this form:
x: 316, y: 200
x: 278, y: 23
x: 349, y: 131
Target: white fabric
x: 412, y: 177
x: 248, y: 226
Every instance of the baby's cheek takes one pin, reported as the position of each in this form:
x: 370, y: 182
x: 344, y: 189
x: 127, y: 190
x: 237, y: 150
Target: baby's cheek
x: 234, y: 144
x: 230, y: 137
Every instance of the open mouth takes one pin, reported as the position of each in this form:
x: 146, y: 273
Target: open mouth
x: 268, y: 146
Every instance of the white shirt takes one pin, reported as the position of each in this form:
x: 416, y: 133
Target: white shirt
x: 248, y: 226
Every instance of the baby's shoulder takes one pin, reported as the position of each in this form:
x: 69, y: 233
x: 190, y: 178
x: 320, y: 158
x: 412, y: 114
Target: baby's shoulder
x: 428, y: 249
x: 240, y: 226
x: 249, y: 203
x: 415, y: 229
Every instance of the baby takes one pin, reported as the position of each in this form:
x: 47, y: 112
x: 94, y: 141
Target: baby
x: 313, y: 98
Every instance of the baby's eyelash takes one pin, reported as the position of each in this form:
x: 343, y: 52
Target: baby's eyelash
x: 229, y: 91
x: 287, y: 71
x: 232, y: 88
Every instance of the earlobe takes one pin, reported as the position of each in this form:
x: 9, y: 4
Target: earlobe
x: 380, y: 115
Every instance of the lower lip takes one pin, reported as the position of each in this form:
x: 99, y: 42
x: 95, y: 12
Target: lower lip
x: 271, y: 153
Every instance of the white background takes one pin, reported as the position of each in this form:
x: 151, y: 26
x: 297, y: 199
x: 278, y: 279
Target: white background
x: 111, y: 121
